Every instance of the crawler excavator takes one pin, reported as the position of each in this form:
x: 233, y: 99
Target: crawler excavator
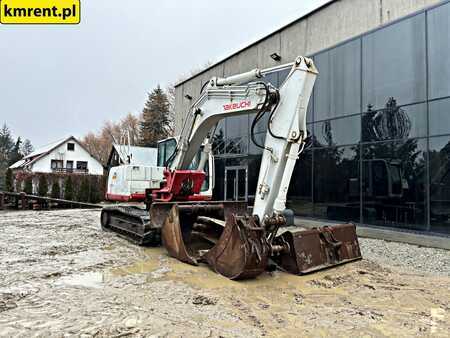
x: 224, y: 235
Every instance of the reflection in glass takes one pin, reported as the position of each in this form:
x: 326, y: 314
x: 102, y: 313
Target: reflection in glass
x: 394, y: 63
x: 439, y: 117
x: 236, y: 135
x: 394, y: 183
x: 300, y: 189
x: 336, y: 183
x: 439, y: 157
x: 337, y: 132
x: 218, y: 140
x: 337, y: 91
x: 394, y: 122
x: 439, y: 51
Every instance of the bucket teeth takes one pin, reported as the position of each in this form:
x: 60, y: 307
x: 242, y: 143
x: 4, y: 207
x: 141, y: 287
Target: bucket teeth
x: 242, y: 251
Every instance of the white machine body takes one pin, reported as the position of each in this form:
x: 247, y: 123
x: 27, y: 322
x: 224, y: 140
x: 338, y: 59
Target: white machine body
x: 128, y: 182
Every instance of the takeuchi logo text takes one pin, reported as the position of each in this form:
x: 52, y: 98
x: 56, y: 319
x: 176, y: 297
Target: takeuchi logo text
x: 237, y: 105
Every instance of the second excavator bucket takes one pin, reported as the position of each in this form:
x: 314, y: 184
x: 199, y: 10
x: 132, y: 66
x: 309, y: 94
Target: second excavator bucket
x: 318, y: 248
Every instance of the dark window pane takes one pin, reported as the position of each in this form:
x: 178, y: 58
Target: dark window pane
x: 219, y: 177
x: 218, y: 142
x: 394, y: 122
x: 261, y: 125
x: 282, y: 74
x: 345, y: 64
x: 260, y: 139
x: 322, y: 90
x: 300, y: 189
x: 254, y: 163
x: 439, y: 156
x: 393, y: 184
x: 338, y: 86
x: 337, y: 132
x: 394, y: 63
x: 82, y: 165
x: 336, y: 183
x: 271, y: 78
x: 310, y: 110
x: 439, y: 51
x: 439, y: 117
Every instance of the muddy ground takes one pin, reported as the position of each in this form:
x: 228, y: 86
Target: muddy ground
x: 61, y: 276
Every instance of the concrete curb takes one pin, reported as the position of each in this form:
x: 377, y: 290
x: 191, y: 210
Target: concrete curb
x: 385, y: 234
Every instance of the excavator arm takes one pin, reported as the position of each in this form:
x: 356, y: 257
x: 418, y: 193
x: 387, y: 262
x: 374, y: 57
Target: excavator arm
x: 233, y: 243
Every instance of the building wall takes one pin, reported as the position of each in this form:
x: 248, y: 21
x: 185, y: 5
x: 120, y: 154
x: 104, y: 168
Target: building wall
x: 379, y: 126
x: 61, y: 153
x: 338, y: 21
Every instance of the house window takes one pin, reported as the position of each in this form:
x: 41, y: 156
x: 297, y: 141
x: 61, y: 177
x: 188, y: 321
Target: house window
x: 71, y: 146
x: 82, y: 165
x: 56, y: 165
x: 69, y: 166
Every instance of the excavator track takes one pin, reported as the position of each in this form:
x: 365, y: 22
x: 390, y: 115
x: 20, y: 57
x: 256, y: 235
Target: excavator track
x: 131, y: 223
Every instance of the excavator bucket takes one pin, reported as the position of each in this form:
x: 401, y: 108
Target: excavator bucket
x: 236, y: 248
x: 242, y: 251
x: 318, y: 248
x: 173, y: 237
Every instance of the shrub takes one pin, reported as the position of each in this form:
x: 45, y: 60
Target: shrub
x: 68, y: 189
x: 83, y: 191
x: 56, y: 191
x: 42, y: 186
x: 94, y: 191
x: 9, y: 180
x: 28, y: 186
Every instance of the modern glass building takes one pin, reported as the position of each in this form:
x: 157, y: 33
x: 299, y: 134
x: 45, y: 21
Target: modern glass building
x: 379, y: 124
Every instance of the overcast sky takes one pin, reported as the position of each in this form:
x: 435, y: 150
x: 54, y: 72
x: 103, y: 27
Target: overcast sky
x: 67, y: 80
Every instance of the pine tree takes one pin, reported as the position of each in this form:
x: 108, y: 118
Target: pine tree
x: 9, y: 184
x: 42, y: 186
x: 155, y: 124
x: 16, y: 152
x: 56, y: 191
x: 68, y: 189
x: 6, y: 146
x: 27, y: 147
x: 28, y: 186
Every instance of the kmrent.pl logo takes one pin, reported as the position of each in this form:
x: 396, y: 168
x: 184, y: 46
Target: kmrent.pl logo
x: 40, y: 11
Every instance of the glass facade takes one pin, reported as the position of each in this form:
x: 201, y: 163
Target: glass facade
x: 379, y: 126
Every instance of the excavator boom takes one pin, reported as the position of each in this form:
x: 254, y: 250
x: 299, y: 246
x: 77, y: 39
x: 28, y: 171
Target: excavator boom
x: 239, y: 245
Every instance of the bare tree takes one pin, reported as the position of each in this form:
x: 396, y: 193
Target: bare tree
x: 99, y: 144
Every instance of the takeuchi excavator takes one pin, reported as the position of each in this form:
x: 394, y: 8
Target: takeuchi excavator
x: 233, y: 241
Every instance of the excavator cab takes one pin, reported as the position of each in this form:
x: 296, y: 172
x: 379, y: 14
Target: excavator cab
x: 166, y: 150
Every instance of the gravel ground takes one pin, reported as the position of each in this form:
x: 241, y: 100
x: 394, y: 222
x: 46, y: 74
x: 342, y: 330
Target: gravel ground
x: 408, y: 258
x: 61, y: 276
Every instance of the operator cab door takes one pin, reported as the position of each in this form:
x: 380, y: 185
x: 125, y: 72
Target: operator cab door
x: 236, y: 187
x: 166, y: 149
